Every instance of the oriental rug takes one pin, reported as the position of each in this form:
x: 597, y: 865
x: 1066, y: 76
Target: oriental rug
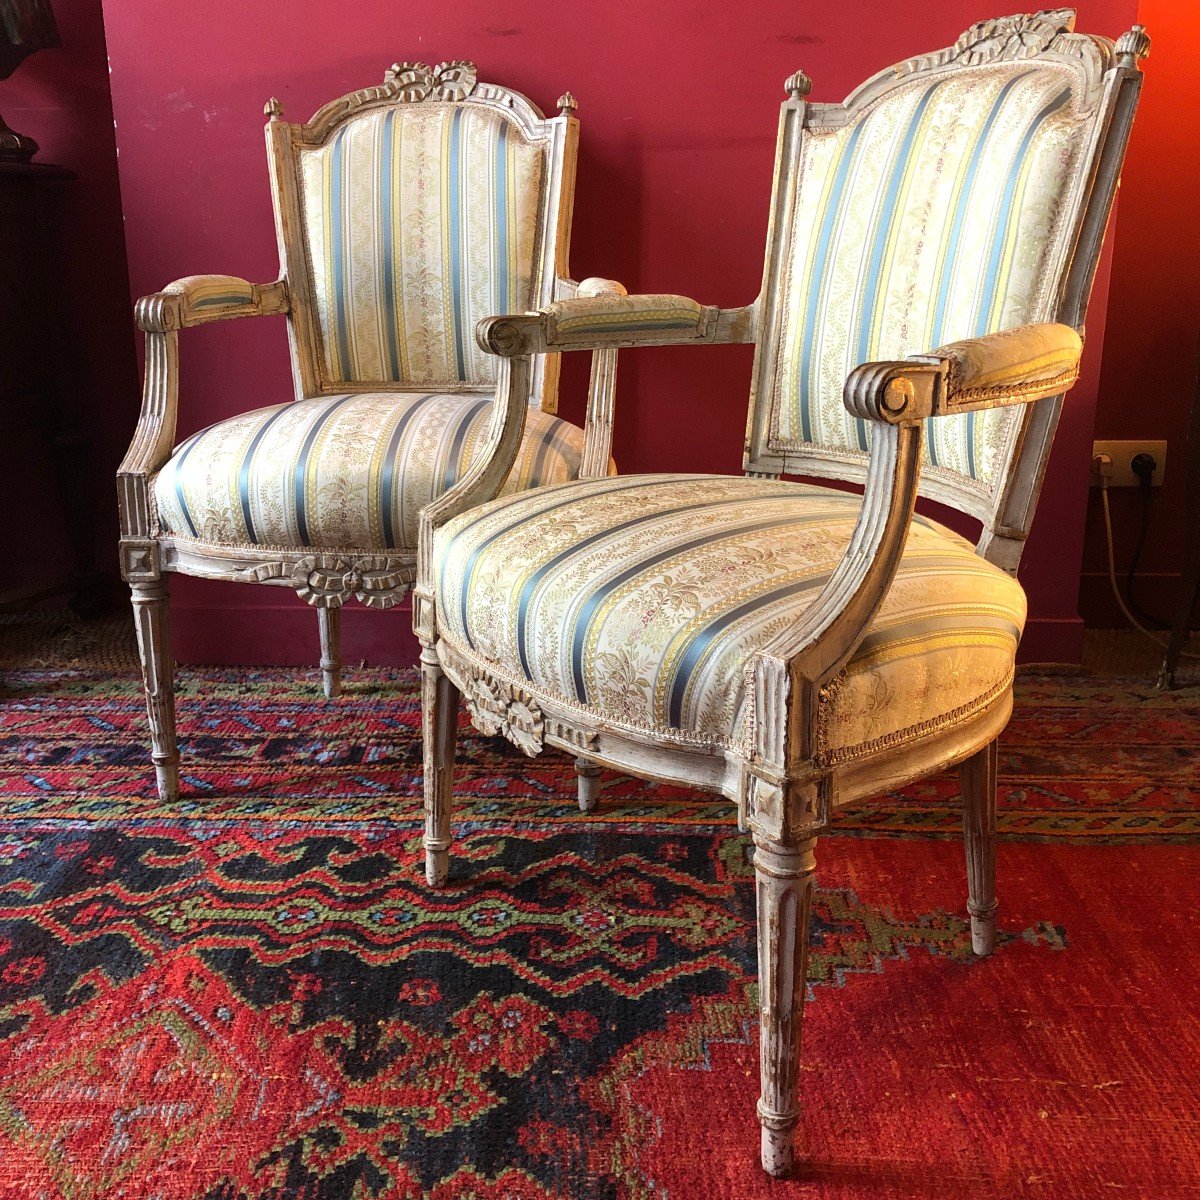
x: 250, y: 993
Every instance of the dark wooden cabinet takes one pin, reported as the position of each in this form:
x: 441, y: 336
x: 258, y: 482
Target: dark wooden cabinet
x: 44, y: 460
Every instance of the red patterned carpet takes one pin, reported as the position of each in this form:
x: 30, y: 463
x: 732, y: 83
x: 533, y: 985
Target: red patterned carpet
x: 251, y: 994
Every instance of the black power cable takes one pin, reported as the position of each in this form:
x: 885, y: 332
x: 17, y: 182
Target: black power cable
x: 1143, y: 466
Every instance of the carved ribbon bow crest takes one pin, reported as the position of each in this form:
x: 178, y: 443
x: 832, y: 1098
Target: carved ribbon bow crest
x: 1022, y: 36
x: 500, y: 709
x: 419, y: 81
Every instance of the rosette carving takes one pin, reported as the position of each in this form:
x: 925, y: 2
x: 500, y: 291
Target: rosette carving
x: 500, y: 709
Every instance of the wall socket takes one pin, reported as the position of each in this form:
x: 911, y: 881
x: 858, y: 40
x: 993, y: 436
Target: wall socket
x: 1123, y: 453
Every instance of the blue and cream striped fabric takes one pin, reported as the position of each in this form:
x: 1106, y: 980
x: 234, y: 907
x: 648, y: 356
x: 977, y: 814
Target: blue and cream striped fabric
x: 420, y: 219
x: 938, y: 215
x: 343, y: 472
x: 643, y: 598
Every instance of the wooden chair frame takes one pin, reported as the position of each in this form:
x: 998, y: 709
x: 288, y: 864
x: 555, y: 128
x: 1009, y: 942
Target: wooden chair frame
x: 787, y: 791
x: 326, y: 579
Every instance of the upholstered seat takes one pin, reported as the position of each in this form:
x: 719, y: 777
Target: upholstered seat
x: 643, y: 599
x: 345, y: 472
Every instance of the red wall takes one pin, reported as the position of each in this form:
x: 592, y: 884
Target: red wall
x: 678, y: 105
x: 1148, y: 382
x: 60, y: 97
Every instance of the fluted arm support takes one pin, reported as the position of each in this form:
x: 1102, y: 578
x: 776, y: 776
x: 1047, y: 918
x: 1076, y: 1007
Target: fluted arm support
x: 1017, y: 366
x: 196, y: 300
x: 602, y: 392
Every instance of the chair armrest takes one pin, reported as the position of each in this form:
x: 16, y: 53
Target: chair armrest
x: 199, y: 299
x: 612, y: 321
x: 196, y: 300
x: 1013, y: 367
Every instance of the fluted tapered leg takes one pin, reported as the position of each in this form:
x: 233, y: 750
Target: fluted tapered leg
x: 784, y: 882
x: 151, y: 619
x: 589, y: 784
x: 978, y: 781
x: 439, y: 730
x: 329, y: 621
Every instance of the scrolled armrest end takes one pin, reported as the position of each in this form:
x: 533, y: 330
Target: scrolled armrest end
x: 509, y: 336
x: 893, y: 393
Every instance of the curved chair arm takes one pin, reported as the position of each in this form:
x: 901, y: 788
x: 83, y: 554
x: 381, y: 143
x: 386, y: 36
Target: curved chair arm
x: 623, y: 321
x: 196, y: 300
x: 1014, y: 367
x: 604, y: 320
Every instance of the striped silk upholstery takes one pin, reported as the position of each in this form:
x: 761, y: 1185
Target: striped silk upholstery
x: 644, y: 597
x: 420, y: 220
x: 938, y: 215
x: 344, y: 472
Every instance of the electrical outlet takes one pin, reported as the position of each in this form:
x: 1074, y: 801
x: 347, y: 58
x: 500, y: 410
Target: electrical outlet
x: 1123, y: 454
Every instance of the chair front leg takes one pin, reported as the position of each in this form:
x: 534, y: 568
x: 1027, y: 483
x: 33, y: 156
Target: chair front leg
x: 329, y: 622
x: 977, y: 778
x: 439, y: 730
x: 783, y: 884
x: 589, y: 784
x: 151, y: 619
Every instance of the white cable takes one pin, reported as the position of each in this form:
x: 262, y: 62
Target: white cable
x: 1112, y: 578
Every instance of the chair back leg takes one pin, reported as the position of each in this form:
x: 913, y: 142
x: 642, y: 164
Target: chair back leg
x: 151, y: 618
x: 977, y: 776
x: 439, y: 735
x: 589, y: 784
x: 329, y: 622
x: 783, y: 886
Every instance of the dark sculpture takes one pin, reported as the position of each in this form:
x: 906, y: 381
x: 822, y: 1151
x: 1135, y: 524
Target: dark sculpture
x: 25, y: 26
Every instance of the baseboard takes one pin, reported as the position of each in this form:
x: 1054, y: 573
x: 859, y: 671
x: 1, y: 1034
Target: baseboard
x: 1052, y: 640
x: 285, y: 635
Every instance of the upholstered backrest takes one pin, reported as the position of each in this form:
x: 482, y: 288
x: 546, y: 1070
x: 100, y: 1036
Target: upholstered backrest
x: 944, y: 200
x: 421, y: 207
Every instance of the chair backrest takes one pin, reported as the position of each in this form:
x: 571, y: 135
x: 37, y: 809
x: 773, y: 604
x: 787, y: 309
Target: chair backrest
x: 408, y: 212
x: 953, y: 195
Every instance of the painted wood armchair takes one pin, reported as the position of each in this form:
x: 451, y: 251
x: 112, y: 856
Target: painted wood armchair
x: 405, y: 213
x: 794, y: 647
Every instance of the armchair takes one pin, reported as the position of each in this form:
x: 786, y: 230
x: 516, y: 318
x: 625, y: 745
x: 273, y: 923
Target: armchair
x: 791, y: 646
x: 321, y: 493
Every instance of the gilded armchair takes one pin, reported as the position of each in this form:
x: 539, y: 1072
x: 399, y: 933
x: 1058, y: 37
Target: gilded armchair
x: 404, y: 213
x: 795, y: 647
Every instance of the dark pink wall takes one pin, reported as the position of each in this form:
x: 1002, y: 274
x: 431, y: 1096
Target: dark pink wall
x: 678, y: 104
x: 60, y: 97
x: 1149, y: 379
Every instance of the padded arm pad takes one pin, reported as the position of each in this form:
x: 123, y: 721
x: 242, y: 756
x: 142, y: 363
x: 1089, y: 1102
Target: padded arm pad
x: 198, y: 299
x: 1041, y: 359
x: 609, y: 320
x: 1015, y: 366
x: 591, y: 318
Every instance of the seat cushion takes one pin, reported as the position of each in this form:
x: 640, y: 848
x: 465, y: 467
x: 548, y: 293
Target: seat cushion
x: 344, y: 472
x: 643, y: 599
